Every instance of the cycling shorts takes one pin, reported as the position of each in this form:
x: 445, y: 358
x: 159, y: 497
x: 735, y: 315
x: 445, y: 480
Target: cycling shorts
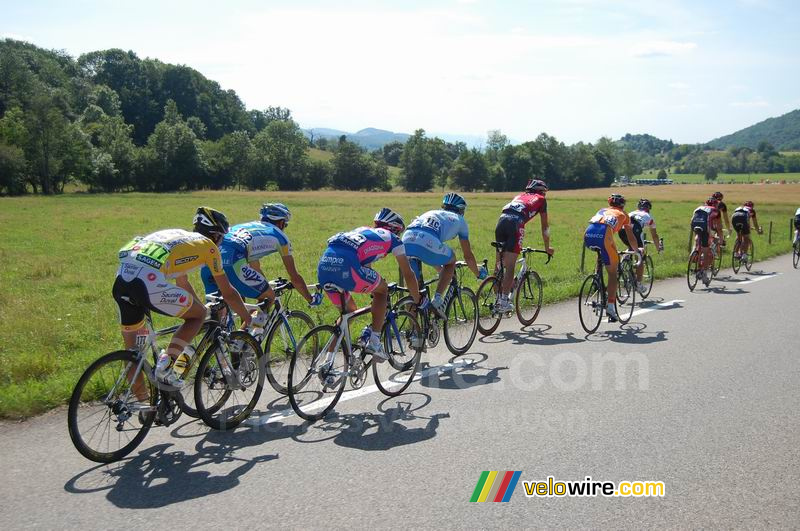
x: 599, y: 237
x: 139, y: 288
x: 427, y: 247
x: 701, y: 229
x: 797, y: 222
x: 741, y: 223
x: 244, y: 279
x: 510, y: 230
x: 637, y: 232
x: 342, y: 269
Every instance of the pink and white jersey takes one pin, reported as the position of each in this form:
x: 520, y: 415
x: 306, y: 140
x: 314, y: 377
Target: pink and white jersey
x: 369, y: 243
x: 526, y: 206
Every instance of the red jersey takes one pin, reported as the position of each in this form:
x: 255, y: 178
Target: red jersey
x: 526, y: 206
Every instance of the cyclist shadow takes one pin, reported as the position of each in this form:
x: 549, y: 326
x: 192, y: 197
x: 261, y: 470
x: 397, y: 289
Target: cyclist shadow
x: 631, y: 333
x: 461, y: 376
x: 537, y: 335
x: 398, y: 424
x: 161, y: 475
x: 723, y: 290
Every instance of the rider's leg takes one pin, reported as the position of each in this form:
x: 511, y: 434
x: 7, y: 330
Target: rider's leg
x: 379, y: 297
x: 509, y: 262
x: 192, y: 322
x: 611, y: 288
x: 640, y: 267
x: 445, y: 276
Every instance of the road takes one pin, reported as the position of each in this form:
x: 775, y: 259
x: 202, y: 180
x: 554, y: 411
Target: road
x: 717, y: 422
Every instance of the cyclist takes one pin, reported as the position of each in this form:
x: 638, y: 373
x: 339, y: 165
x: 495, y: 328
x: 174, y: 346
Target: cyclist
x: 705, y: 220
x: 796, y: 225
x: 641, y: 218
x: 600, y: 235
x: 510, y: 230
x: 345, y: 265
x: 723, y: 210
x: 425, y: 237
x: 146, y: 265
x: 741, y: 223
x: 245, y: 244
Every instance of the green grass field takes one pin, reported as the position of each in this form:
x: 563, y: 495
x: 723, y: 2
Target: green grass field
x: 60, y: 256
x: 724, y: 178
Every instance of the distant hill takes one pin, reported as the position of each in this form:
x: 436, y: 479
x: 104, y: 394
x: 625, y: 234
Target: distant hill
x: 369, y: 138
x: 782, y: 132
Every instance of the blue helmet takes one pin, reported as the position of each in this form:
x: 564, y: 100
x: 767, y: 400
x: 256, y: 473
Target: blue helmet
x: 454, y: 203
x: 275, y: 212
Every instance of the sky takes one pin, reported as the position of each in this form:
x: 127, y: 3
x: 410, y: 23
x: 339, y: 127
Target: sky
x: 689, y: 71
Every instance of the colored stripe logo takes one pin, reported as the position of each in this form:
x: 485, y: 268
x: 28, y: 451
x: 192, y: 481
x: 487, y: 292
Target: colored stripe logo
x: 495, y: 486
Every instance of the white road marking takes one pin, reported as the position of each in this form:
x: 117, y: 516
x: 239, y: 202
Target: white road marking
x: 356, y: 393
x: 759, y: 279
x: 657, y: 306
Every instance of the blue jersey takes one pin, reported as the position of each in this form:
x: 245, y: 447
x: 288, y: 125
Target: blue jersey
x: 253, y: 241
x: 443, y: 224
x: 367, y: 243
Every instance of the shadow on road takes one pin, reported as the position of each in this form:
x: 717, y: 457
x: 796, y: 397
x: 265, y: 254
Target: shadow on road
x: 462, y: 376
x: 631, y: 333
x: 723, y: 290
x: 535, y: 334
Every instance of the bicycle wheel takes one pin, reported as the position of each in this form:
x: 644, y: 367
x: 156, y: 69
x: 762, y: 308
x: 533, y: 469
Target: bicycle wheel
x: 796, y: 254
x: 623, y: 271
x: 528, y: 299
x: 648, y: 276
x: 692, y: 270
x: 104, y: 417
x: 316, y: 376
x: 751, y: 256
x: 736, y: 263
x: 225, y: 400
x: 461, y: 324
x: 626, y: 305
x: 590, y: 304
x: 402, y: 342
x: 717, y: 265
x: 488, y: 291
x: 280, y: 345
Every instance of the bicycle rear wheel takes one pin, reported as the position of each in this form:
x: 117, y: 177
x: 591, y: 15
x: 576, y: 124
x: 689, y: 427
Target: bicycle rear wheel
x: 796, y: 254
x: 751, y: 256
x: 692, y: 270
x: 590, y: 304
x: 648, y: 276
x: 488, y: 291
x: 461, y: 324
x: 402, y: 341
x: 225, y: 400
x: 717, y: 265
x: 528, y: 299
x: 626, y: 305
x: 280, y: 345
x: 316, y: 376
x: 105, y: 418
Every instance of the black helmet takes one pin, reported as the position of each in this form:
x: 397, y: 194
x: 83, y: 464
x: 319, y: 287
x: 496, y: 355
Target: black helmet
x: 617, y: 200
x: 644, y: 204
x: 210, y: 222
x: 536, y: 185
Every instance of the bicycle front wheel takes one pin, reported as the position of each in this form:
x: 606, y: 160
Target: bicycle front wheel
x: 528, y: 299
x: 229, y: 384
x: 692, y: 269
x: 624, y: 271
x: 402, y: 342
x: 318, y: 372
x: 590, y: 304
x: 751, y: 256
x: 796, y: 254
x: 717, y: 263
x: 461, y: 324
x: 281, y: 344
x: 488, y: 292
x: 626, y: 305
x: 109, y: 416
x: 648, y: 276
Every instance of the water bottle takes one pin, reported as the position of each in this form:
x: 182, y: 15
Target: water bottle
x: 257, y: 324
x: 182, y: 363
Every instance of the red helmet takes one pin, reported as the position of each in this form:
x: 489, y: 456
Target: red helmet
x: 749, y: 204
x: 616, y: 200
x: 712, y: 202
x: 717, y: 195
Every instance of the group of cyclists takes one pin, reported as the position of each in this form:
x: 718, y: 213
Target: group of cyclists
x: 229, y: 260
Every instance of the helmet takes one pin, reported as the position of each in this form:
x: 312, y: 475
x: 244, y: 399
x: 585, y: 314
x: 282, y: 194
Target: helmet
x: 749, y: 204
x: 712, y: 201
x: 616, y: 200
x: 454, y: 203
x: 389, y: 219
x: 717, y: 195
x: 208, y: 222
x: 535, y: 185
x: 274, y: 212
x: 644, y: 204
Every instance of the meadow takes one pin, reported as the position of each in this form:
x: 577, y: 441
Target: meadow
x: 725, y: 178
x: 59, y: 257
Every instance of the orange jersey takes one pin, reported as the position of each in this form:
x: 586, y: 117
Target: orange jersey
x: 614, y: 218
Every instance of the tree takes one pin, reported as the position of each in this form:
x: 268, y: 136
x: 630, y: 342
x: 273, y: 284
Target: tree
x: 280, y: 153
x: 392, y: 152
x: 711, y: 173
x: 318, y: 174
x: 495, y: 142
x: 12, y: 169
x: 351, y: 169
x: 416, y: 164
x: 662, y: 175
x: 470, y: 171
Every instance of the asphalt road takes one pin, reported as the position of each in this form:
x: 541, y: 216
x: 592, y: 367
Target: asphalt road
x: 716, y: 420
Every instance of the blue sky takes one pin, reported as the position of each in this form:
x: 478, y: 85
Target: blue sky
x: 576, y: 69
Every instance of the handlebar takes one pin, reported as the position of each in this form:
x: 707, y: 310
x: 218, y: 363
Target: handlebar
x: 528, y: 250
x: 636, y: 253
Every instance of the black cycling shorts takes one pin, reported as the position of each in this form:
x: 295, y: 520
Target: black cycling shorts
x: 797, y: 222
x: 637, y: 231
x: 701, y: 229
x: 741, y: 224
x: 510, y: 231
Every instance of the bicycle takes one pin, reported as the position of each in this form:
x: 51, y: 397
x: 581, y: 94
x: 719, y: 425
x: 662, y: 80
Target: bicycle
x: 593, y: 299
x: 795, y: 252
x: 461, y: 309
x: 119, y: 394
x: 527, y: 299
x: 736, y: 257
x: 326, y: 358
x: 649, y: 274
x: 693, y: 270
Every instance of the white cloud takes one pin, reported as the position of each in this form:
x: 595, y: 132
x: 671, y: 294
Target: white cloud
x: 661, y: 48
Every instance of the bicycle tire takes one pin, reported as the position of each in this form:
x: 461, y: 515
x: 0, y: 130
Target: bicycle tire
x: 649, y: 276
x: 307, y: 375
x: 629, y: 283
x: 751, y: 256
x: 736, y: 263
x: 590, y: 304
x: 692, y: 269
x: 277, y: 367
x: 77, y: 403
x: 795, y: 254
x: 623, y: 271
x: 221, y: 415
x: 487, y: 296
x: 403, y: 355
x: 463, y: 301
x: 530, y: 289
x: 717, y: 265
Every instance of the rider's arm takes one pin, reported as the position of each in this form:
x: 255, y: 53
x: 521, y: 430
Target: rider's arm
x: 297, y: 280
x: 654, y: 235
x: 409, y: 277
x: 232, y: 297
x: 546, y: 232
x: 183, y: 282
x: 469, y: 258
x: 631, y: 236
x: 757, y: 225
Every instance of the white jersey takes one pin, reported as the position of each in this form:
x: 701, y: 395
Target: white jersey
x: 643, y: 219
x: 797, y: 213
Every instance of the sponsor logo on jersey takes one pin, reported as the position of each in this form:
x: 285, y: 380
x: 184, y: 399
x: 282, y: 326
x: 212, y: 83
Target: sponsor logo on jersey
x: 186, y: 259
x: 151, y: 276
x: 149, y: 261
x: 327, y: 259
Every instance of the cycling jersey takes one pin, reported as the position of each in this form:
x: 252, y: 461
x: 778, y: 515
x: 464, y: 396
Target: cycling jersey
x: 703, y: 219
x: 797, y: 219
x: 613, y: 218
x: 740, y: 220
x: 751, y: 212
x: 526, y: 206
x: 443, y: 224
x: 639, y: 220
x: 600, y: 233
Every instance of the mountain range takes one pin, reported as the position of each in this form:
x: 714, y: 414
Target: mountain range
x: 783, y: 132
